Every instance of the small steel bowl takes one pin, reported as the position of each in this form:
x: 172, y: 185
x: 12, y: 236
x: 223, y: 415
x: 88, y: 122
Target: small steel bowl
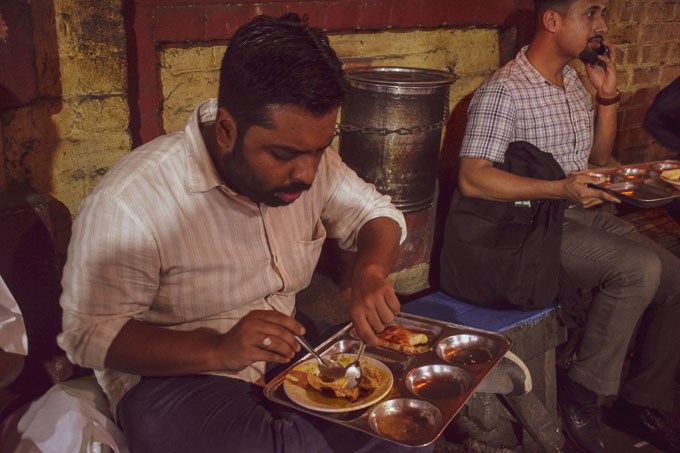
x: 622, y: 187
x: 467, y: 349
x: 663, y: 166
x: 408, y: 421
x: 438, y: 381
x: 631, y: 172
x: 598, y: 174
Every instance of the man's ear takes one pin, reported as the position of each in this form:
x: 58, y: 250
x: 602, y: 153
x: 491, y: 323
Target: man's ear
x: 551, y: 20
x: 225, y: 129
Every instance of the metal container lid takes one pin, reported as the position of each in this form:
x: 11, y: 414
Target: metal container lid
x: 378, y: 78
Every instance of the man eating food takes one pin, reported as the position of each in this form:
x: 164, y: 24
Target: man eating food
x: 185, y: 260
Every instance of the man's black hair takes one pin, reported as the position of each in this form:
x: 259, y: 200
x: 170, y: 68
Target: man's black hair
x: 560, y: 6
x: 280, y: 61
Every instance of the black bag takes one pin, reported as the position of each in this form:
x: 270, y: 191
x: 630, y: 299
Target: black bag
x: 663, y: 117
x: 506, y: 254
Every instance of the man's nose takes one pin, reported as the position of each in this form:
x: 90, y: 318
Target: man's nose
x: 304, y: 170
x: 601, y: 26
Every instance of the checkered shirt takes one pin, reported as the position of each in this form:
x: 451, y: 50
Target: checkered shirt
x: 518, y: 104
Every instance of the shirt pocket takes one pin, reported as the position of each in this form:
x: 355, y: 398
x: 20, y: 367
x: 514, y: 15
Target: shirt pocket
x: 302, y: 257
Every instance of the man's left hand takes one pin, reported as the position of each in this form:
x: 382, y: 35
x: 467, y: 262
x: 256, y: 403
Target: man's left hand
x: 603, y: 80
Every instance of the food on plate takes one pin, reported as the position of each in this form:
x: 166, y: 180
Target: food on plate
x: 402, y: 339
x: 305, y: 387
x: 338, y: 388
x: 671, y: 175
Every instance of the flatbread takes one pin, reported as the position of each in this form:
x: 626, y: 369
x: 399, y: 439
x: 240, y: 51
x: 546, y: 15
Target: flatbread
x: 402, y: 339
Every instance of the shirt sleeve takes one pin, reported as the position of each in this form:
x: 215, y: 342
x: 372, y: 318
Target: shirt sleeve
x: 352, y: 203
x: 111, y: 275
x: 490, y: 124
x: 12, y: 329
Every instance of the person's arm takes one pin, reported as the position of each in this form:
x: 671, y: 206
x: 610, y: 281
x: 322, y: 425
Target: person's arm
x: 605, y: 121
x: 110, y: 281
x: 488, y: 132
x: 478, y: 178
x: 374, y: 302
x: 144, y: 349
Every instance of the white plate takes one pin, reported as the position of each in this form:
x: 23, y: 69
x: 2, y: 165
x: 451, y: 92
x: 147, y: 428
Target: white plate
x: 296, y: 387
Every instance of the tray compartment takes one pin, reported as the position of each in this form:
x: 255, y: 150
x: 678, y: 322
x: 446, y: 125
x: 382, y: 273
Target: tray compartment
x: 625, y: 188
x: 663, y: 166
x: 393, y: 359
x: 434, y: 382
x: 433, y: 332
x: 467, y: 350
x: 409, y: 421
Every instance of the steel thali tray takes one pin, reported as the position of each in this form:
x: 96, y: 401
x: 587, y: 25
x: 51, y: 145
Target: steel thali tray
x: 638, y: 184
x: 429, y: 386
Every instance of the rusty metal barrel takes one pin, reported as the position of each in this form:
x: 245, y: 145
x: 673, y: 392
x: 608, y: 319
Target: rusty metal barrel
x: 390, y: 130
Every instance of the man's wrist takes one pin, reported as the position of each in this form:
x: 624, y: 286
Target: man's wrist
x: 608, y: 100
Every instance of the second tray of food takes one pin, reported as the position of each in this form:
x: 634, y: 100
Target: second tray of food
x: 412, y: 385
x: 646, y: 185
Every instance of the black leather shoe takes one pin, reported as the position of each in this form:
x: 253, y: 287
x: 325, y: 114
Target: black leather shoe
x: 580, y: 414
x: 645, y: 423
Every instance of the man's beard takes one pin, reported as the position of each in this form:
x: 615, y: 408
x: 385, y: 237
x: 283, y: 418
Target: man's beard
x: 589, y: 54
x: 241, y: 179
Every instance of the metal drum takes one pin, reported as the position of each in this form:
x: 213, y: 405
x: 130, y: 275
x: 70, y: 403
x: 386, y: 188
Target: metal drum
x: 390, y: 130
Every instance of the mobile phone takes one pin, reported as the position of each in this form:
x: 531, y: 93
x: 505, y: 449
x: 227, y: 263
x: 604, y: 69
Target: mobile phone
x: 589, y: 56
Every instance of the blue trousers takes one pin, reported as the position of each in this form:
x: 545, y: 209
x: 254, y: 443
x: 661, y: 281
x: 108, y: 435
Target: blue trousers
x: 204, y: 413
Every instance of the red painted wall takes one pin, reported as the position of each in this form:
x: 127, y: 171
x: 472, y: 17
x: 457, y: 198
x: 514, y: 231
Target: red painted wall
x: 18, y: 77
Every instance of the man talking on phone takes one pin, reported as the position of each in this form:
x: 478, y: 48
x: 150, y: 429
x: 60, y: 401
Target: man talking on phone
x: 538, y: 98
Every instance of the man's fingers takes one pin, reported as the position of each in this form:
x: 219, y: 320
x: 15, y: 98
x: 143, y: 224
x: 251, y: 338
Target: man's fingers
x: 364, y: 331
x: 277, y: 346
x: 277, y: 338
x: 279, y: 318
x: 591, y: 202
x: 386, y: 314
x: 392, y: 301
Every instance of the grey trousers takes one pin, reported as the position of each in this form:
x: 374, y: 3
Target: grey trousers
x: 637, y: 281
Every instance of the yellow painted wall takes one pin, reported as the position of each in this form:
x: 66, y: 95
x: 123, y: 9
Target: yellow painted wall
x: 65, y: 141
x: 189, y: 75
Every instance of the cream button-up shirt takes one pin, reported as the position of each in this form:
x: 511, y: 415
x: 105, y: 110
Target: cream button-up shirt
x: 162, y: 240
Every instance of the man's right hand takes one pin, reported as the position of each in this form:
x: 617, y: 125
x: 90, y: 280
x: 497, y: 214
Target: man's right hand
x: 246, y: 342
x: 149, y: 350
x: 576, y: 190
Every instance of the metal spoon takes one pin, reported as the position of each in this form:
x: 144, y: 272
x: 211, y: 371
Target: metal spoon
x: 327, y: 368
x: 353, y: 371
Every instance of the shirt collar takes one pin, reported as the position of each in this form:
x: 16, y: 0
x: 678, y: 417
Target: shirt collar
x: 531, y: 73
x: 202, y: 175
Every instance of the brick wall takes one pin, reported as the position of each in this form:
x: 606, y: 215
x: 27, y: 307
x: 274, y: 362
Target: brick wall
x: 647, y: 36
